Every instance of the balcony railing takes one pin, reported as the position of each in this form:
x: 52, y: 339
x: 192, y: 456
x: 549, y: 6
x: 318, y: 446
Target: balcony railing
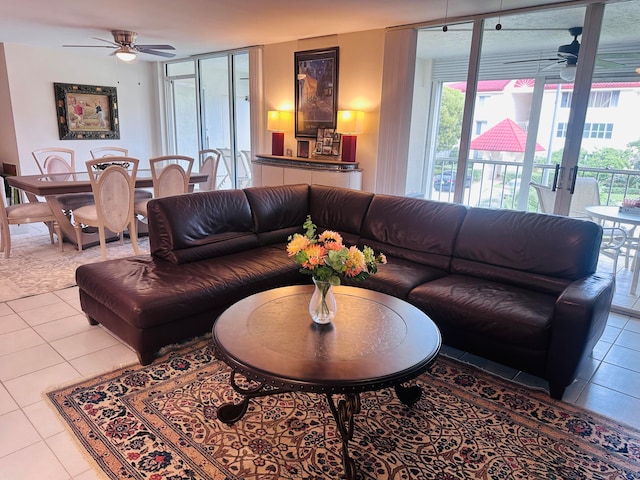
x: 497, y: 184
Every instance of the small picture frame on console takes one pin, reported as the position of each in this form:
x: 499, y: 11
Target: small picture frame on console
x: 327, y: 143
x: 303, y: 148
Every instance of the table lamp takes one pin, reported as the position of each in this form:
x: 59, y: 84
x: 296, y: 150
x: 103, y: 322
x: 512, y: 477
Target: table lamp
x: 278, y: 122
x: 350, y: 123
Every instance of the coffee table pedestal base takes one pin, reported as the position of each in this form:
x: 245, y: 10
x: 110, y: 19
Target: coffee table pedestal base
x: 343, y: 412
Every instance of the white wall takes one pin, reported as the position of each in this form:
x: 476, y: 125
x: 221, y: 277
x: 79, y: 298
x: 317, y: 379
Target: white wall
x: 8, y: 147
x: 31, y: 73
x: 359, y: 87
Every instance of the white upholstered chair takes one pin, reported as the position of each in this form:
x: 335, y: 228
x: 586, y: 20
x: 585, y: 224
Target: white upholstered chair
x: 101, y: 152
x: 60, y: 164
x: 113, y: 190
x: 170, y: 175
x: 55, y: 160
x: 209, y: 160
x: 30, y: 212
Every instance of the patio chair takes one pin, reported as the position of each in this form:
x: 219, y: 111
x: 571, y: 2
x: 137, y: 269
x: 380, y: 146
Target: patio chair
x: 586, y: 193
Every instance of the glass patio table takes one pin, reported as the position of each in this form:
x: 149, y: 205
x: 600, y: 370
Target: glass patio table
x: 613, y: 214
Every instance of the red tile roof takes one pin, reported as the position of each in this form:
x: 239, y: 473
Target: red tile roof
x: 506, y: 136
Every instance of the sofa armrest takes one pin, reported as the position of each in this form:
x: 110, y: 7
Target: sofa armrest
x: 579, y: 318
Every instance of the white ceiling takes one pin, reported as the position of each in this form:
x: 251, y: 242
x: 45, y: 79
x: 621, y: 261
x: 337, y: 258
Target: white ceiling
x: 202, y: 26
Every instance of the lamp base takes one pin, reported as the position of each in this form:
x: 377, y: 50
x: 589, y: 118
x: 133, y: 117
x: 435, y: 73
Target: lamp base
x: 277, y: 143
x: 349, y: 148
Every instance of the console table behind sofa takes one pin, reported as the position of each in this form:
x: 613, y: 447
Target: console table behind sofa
x: 515, y: 287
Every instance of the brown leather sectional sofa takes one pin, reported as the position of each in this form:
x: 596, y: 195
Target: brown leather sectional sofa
x: 517, y: 288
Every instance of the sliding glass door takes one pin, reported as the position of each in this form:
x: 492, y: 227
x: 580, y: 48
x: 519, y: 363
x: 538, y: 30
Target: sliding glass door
x: 209, y: 108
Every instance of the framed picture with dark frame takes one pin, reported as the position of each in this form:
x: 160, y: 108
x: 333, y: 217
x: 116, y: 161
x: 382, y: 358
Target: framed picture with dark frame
x: 86, y: 112
x: 316, y: 80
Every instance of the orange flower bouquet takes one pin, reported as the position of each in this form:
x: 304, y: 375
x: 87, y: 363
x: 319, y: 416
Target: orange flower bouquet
x: 326, y: 259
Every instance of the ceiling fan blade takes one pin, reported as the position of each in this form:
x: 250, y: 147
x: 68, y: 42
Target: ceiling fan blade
x: 553, y: 65
x: 155, y: 52
x: 608, y: 64
x: 620, y: 55
x: 155, y: 47
x: 107, y: 41
x: 89, y: 46
x: 532, y: 60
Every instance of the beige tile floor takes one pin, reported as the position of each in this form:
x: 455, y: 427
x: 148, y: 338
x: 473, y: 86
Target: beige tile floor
x: 45, y: 342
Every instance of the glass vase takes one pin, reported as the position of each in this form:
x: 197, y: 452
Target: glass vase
x: 322, y: 306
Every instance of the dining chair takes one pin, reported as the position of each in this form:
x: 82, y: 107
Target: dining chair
x: 209, y: 160
x: 22, y: 213
x: 101, y: 152
x: 170, y: 176
x: 55, y: 160
x: 113, y: 191
x: 60, y: 165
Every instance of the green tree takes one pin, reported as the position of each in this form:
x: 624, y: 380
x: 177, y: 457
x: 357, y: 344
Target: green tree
x: 450, y: 124
x: 607, y: 157
x: 634, y: 147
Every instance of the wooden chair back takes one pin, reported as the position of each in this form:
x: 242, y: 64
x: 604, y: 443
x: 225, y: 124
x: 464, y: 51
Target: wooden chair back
x: 59, y: 161
x: 170, y: 175
x: 101, y: 152
x: 209, y: 161
x: 113, y: 190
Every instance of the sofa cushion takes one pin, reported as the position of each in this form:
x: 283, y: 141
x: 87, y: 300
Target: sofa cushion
x: 339, y: 209
x: 278, y: 211
x: 532, y: 250
x: 470, y: 310
x: 146, y: 292
x: 211, y: 224
x: 398, y: 277
x: 421, y: 231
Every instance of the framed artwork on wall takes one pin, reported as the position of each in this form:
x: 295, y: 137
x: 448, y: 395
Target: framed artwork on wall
x: 316, y: 80
x: 86, y: 112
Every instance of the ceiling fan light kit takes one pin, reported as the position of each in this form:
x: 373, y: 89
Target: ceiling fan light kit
x: 126, y: 48
x: 125, y: 54
x: 568, y: 72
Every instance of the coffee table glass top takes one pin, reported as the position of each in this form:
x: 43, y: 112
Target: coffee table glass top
x: 373, y: 338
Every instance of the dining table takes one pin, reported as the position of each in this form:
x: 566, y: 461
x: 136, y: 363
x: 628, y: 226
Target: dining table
x: 612, y: 213
x: 52, y: 186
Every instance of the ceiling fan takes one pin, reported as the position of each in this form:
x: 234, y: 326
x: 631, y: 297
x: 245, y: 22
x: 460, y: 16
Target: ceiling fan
x: 126, y: 47
x: 567, y: 58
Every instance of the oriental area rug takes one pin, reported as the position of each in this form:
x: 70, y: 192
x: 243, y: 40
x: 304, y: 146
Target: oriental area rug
x: 159, y: 423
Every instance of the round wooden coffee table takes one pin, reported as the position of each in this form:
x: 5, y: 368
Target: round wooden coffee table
x: 375, y: 341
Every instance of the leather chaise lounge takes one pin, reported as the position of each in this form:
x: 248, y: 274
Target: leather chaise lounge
x: 518, y: 288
